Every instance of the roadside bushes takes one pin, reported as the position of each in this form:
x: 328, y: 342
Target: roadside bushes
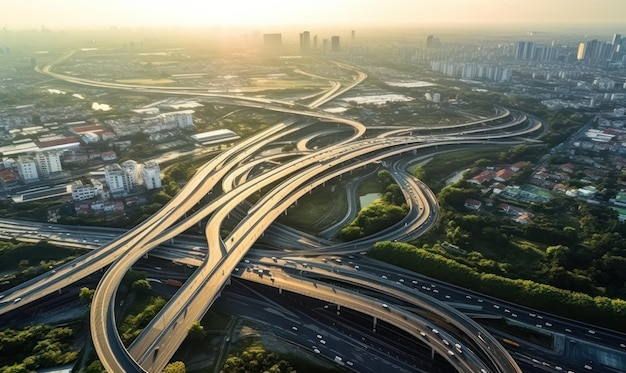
x: 598, y: 310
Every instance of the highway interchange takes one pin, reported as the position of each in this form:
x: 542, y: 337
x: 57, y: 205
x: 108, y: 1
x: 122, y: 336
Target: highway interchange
x: 231, y: 173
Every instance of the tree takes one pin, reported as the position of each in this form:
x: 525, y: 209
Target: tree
x: 86, y: 294
x: 175, y: 367
x: 419, y: 172
x: 196, y: 332
x: 95, y: 367
x: 142, y: 286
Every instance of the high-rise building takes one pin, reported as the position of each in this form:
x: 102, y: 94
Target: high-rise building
x: 432, y: 42
x: 334, y: 41
x: 132, y: 169
x: 151, y: 174
x: 272, y: 40
x: 305, y: 41
x: 315, y: 42
x: 49, y: 162
x: 525, y: 50
x: 352, y: 35
x: 581, y: 51
x: 616, y: 40
x: 27, y: 168
x: 118, y: 179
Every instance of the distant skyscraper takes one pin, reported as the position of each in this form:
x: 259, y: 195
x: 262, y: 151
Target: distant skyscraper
x: 315, y: 42
x: 581, y: 51
x: 352, y: 35
x: 305, y: 41
x: 617, y: 39
x: 334, y: 41
x: 525, y: 50
x: 325, y: 46
x: 432, y: 42
x: 272, y: 40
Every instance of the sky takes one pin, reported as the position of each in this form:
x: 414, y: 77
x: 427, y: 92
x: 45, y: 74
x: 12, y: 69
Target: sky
x: 65, y: 14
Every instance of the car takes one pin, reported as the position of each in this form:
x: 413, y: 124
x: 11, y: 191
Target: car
x: 622, y: 345
x: 496, y: 306
x: 357, y: 267
x: 479, y: 300
x: 319, y: 336
x: 385, y: 306
x: 588, y: 367
x: 294, y: 328
x: 349, y: 363
x: 445, y: 342
x: 568, y: 330
x: 274, y: 259
x: 591, y: 331
x: 423, y: 334
x: 322, y: 341
x: 17, y: 300
x: 435, y: 331
x: 468, y: 297
x: 414, y: 282
x: 506, y: 310
x: 514, y: 315
x: 401, y: 280
x: 384, y: 277
x: 447, y: 297
x: 548, y: 324
x: 532, y: 315
x: 435, y: 291
x: 316, y: 350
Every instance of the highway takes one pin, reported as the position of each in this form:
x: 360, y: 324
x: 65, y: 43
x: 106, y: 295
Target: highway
x: 152, y: 349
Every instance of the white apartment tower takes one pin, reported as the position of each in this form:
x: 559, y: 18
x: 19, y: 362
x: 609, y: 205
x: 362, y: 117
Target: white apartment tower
x: 27, y: 168
x: 118, y: 179
x: 49, y: 163
x: 151, y: 174
x: 132, y: 169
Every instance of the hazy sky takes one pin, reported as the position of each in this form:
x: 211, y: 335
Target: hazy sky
x: 58, y: 14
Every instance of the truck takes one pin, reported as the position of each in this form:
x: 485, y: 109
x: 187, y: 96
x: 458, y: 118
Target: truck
x: 172, y: 282
x: 510, y: 342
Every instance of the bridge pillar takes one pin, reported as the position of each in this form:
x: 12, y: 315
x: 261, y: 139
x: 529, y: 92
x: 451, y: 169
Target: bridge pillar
x: 432, y: 352
x: 338, y: 309
x: 280, y: 290
x: 374, y: 326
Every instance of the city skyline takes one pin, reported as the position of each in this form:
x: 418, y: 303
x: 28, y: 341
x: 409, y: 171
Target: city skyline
x: 67, y: 14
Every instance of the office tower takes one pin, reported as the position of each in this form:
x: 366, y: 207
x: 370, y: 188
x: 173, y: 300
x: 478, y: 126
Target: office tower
x: 272, y: 40
x: 325, y: 46
x: 305, y: 41
x: 315, y: 42
x: 352, y: 35
x: 334, y: 41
